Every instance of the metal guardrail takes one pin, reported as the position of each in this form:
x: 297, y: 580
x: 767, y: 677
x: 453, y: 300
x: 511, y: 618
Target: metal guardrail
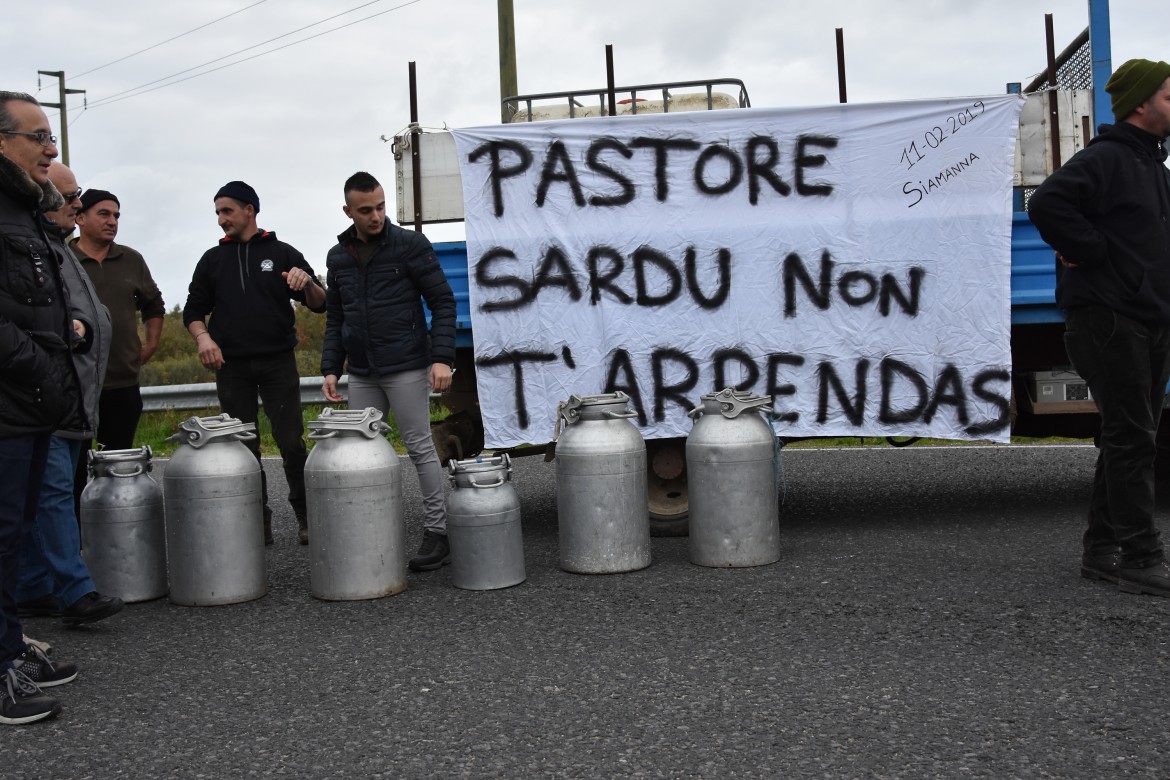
x: 202, y: 396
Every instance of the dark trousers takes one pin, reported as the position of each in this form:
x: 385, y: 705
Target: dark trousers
x: 118, y: 413
x: 1126, y: 364
x: 274, y: 380
x: 22, y: 461
x: 119, y: 410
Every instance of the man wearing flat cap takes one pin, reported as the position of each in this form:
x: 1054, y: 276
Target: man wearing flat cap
x: 124, y: 284
x: 245, y: 284
x: 1107, y: 215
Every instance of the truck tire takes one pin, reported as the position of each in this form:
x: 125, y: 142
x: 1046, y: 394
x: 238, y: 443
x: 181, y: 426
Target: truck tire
x: 666, y: 487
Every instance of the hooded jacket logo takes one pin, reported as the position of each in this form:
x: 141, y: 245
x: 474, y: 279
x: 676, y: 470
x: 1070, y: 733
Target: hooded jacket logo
x: 265, y: 265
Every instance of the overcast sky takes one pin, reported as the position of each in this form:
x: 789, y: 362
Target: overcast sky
x: 295, y: 122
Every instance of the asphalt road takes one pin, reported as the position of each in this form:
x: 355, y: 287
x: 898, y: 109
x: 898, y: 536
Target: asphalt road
x: 926, y: 619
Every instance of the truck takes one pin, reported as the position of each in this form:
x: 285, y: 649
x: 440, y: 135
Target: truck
x: 1048, y: 399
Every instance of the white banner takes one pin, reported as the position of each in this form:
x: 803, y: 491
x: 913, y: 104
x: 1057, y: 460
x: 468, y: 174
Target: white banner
x: 852, y: 262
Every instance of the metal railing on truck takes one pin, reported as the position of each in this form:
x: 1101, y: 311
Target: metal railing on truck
x: 663, y: 104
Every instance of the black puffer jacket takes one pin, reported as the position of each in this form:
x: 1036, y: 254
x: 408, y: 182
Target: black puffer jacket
x: 38, y: 384
x: 1107, y: 210
x: 374, y: 314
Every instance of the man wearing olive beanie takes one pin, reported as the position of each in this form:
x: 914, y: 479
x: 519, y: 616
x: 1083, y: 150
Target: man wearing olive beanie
x: 1107, y: 215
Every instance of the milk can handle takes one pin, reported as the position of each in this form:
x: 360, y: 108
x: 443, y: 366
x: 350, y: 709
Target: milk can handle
x: 316, y: 435
x: 136, y: 472
x: 501, y: 481
x: 619, y: 415
x: 244, y: 436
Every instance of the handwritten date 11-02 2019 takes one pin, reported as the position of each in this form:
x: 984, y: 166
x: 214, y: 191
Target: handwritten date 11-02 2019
x: 912, y: 154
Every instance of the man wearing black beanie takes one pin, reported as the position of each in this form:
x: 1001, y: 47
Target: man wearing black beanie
x: 245, y: 284
x: 1107, y: 215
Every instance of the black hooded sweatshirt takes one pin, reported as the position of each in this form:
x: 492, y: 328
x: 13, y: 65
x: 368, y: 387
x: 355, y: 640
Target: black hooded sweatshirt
x: 1107, y: 210
x: 239, y: 283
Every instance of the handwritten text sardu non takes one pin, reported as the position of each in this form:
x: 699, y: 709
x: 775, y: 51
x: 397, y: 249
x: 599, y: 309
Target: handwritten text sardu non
x: 648, y: 277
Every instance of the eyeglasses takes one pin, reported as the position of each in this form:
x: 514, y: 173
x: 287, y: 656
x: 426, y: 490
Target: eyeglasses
x: 44, y: 137
x: 72, y: 196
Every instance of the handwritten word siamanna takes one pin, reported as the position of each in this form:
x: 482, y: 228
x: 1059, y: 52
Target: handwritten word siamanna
x: 923, y: 187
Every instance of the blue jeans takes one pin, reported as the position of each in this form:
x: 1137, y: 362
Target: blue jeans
x: 1126, y: 364
x: 22, y: 464
x: 50, y: 552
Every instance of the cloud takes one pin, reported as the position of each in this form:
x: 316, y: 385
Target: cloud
x: 296, y: 122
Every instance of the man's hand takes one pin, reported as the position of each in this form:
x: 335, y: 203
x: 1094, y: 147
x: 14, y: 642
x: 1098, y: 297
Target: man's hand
x: 300, y: 281
x: 79, y: 328
x: 209, y: 354
x: 1065, y: 261
x: 441, y: 377
x: 329, y: 388
x: 297, y: 279
x: 153, y: 328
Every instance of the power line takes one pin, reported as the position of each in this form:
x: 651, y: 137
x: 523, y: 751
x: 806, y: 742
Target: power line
x: 142, y: 88
x: 168, y: 40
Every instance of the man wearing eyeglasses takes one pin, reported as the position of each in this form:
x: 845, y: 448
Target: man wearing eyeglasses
x: 54, y: 580
x: 124, y: 284
x: 38, y: 385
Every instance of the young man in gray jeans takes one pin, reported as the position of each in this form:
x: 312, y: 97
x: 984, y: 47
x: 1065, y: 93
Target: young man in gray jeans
x: 378, y: 277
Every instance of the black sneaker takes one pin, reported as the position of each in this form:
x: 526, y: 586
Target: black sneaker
x: 1101, y: 567
x: 21, y: 701
x: 1153, y: 580
x: 45, y: 606
x: 36, y: 666
x: 434, y: 553
x: 90, y: 608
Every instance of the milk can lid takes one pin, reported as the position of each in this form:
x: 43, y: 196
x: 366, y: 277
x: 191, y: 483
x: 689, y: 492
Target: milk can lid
x: 200, y: 431
x: 118, y: 456
x: 367, y: 422
x: 472, y: 471
x: 730, y: 403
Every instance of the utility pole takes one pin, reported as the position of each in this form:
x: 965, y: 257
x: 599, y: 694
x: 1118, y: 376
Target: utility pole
x: 507, y: 25
x: 60, y: 76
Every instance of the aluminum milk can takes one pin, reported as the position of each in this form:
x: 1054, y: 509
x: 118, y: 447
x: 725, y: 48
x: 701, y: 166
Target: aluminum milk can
x: 601, y: 486
x: 214, y: 514
x: 483, y: 525
x: 123, y: 536
x: 732, y: 482
x: 353, y: 489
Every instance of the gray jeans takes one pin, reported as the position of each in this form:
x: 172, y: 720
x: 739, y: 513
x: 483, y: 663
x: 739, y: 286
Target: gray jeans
x: 407, y: 395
